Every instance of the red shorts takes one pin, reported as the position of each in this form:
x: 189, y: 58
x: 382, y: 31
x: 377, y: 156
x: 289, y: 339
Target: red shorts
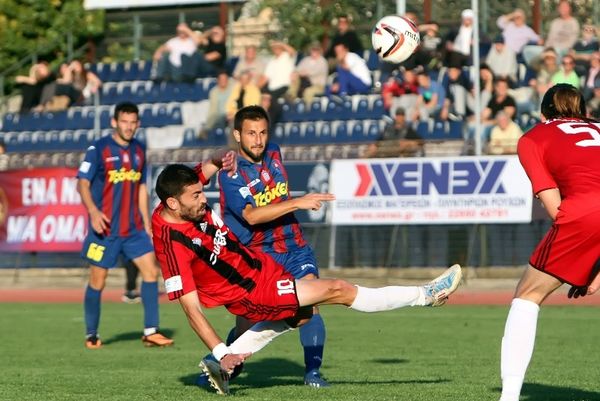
x: 273, y: 298
x: 570, y: 250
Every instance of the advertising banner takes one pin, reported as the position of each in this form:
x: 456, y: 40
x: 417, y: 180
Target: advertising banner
x: 40, y: 210
x: 457, y: 190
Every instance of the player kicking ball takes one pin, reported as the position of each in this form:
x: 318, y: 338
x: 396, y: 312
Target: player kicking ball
x: 204, y: 264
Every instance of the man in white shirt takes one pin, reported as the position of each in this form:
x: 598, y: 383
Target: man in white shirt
x: 174, y: 57
x: 353, y: 75
x: 277, y: 76
x: 458, y: 43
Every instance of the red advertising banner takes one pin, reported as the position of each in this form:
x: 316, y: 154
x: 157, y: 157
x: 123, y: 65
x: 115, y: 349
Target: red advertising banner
x: 41, y: 210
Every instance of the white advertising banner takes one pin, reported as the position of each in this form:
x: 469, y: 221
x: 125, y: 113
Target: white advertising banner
x: 107, y: 4
x: 454, y: 190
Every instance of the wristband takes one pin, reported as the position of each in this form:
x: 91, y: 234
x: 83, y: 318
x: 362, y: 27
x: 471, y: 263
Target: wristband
x: 220, y: 351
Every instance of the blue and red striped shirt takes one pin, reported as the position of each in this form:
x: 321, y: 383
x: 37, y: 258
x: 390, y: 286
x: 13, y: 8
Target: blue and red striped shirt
x: 115, y: 173
x: 260, y: 184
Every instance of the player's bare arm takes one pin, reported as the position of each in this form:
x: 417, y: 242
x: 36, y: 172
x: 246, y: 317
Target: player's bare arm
x: 99, y: 221
x: 264, y: 214
x: 224, y: 159
x: 202, y: 327
x: 144, y: 208
x: 550, y: 198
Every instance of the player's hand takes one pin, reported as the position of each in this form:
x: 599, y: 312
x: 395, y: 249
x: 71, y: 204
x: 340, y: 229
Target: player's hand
x: 99, y: 221
x: 576, y: 292
x: 230, y: 361
x: 313, y: 201
x: 229, y: 163
x: 594, y: 285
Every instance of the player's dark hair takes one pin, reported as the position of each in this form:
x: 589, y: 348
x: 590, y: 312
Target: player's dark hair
x: 126, y: 107
x: 563, y: 100
x: 253, y: 112
x: 171, y: 182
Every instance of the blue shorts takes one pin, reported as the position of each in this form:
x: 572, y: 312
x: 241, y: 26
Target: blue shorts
x: 299, y: 262
x: 104, y: 251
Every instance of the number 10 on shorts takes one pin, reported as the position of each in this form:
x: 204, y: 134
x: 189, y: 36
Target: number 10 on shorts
x: 285, y: 287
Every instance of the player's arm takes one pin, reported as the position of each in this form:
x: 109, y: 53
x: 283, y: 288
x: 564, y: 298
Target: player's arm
x: 264, y: 214
x: 551, y: 200
x: 144, y: 208
x: 98, y: 220
x: 222, y: 159
x: 202, y: 327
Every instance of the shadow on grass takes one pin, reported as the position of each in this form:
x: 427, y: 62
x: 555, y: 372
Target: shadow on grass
x: 390, y: 361
x: 273, y: 372
x: 545, y: 392
x: 134, y: 336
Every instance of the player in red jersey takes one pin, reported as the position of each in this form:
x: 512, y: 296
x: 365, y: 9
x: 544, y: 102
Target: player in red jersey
x: 204, y: 264
x: 561, y: 156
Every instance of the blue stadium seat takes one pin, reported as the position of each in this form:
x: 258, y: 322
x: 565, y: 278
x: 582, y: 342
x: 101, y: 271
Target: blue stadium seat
x: 373, y: 130
x: 362, y: 107
x: 346, y: 111
x: 23, y: 143
x: 220, y: 136
x: 332, y: 110
x: 326, y: 134
x: 145, y: 70
x: 141, y: 135
x: 10, y: 122
x: 66, y: 140
x: 310, y: 132
x: 456, y: 130
x: 117, y: 72
x: 279, y: 132
x: 103, y: 71
x: 295, y: 136
x: 161, y: 115
x: 423, y: 130
x: 377, y: 109
x: 372, y: 60
x: 147, y: 117
x: 190, y: 138
x: 175, y: 114
x: 358, y: 131
x: 341, y: 130
x: 196, y: 92
x: 314, y: 112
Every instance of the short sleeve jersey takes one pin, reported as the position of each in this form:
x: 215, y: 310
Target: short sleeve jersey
x: 115, y: 173
x: 260, y: 184
x: 565, y: 154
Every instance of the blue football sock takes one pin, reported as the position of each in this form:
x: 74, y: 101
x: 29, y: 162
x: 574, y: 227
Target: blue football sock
x: 149, y: 293
x: 91, y: 308
x: 312, y: 337
x: 231, y: 337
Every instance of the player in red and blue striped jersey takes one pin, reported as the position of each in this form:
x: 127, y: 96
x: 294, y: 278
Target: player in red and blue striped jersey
x: 112, y: 185
x: 256, y: 204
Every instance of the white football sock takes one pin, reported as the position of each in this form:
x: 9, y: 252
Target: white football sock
x: 517, y: 346
x: 258, y: 336
x: 387, y: 298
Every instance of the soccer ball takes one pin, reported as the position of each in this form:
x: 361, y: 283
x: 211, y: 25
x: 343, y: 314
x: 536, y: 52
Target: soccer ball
x: 395, y: 38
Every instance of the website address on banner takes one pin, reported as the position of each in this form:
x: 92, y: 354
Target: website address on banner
x: 431, y: 215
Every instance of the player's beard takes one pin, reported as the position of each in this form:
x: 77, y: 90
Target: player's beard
x: 256, y: 157
x: 195, y: 214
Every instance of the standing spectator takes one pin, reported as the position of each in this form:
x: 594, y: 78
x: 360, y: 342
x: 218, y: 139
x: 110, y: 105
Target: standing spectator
x: 397, y: 139
x: 353, y: 75
x: 85, y: 82
x: 277, y: 77
x: 244, y: 93
x: 431, y: 98
x: 112, y: 185
x: 32, y: 86
x: 346, y: 35
x: 175, y: 59
x: 310, y: 76
x: 459, y: 42
x: 251, y: 64
x: 211, y: 58
x: 566, y: 74
x: 502, y: 60
x: 592, y: 78
x: 516, y: 32
x: 504, y: 136
x: 217, y: 102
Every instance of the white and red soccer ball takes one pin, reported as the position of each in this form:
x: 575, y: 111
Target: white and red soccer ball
x: 395, y: 38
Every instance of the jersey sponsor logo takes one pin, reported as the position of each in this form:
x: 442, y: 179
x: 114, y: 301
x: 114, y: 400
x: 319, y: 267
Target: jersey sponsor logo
x: 245, y: 192
x: 253, y: 182
x: 269, y: 195
x: 425, y: 177
x: 125, y: 158
x: 306, y: 266
x: 198, y: 241
x: 85, y: 167
x: 265, y: 175
x: 219, y: 242
x: 121, y: 175
x: 173, y: 284
x: 111, y: 159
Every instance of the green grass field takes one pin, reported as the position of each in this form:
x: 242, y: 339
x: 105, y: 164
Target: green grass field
x: 449, y: 353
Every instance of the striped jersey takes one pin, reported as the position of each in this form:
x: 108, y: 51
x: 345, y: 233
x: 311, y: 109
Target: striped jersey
x: 115, y: 173
x: 260, y: 184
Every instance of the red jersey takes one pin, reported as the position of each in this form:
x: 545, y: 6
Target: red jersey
x: 565, y: 154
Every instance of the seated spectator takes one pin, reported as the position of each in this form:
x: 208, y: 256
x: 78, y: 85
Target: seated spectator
x: 277, y: 77
x: 244, y: 93
x: 504, y: 136
x: 175, y: 59
x: 85, y: 82
x: 566, y: 74
x: 397, y: 139
x: 429, y: 52
x: 400, y: 90
x: 250, y: 63
x: 458, y: 87
x: 211, y: 58
x: 502, y: 60
x: 431, y: 98
x: 458, y: 42
x: 273, y: 108
x: 3, y: 166
x: 544, y: 72
x: 593, y: 105
x: 592, y: 78
x: 500, y: 101
x: 344, y: 34
x: 32, y: 86
x: 310, y: 76
x: 352, y: 74
x: 516, y: 32
x: 217, y: 102
x: 584, y: 48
